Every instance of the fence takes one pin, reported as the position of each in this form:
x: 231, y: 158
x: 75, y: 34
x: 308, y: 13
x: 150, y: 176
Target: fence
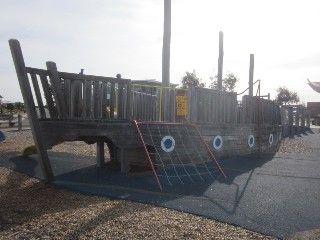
x: 80, y: 96
x: 200, y: 105
x: 255, y: 110
x: 295, y: 119
x: 212, y: 106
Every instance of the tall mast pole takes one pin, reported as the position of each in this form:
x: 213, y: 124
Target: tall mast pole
x: 220, y: 61
x: 166, y: 44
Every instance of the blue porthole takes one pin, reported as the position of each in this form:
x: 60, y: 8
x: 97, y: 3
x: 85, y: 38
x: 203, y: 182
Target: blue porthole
x: 271, y: 139
x: 251, y: 140
x: 217, y: 142
x: 168, y: 143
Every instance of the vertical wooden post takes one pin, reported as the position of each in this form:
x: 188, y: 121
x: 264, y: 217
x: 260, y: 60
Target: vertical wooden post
x: 220, y: 61
x: 193, y: 105
x: 297, y: 120
x: 100, y: 153
x: 166, y: 57
x: 129, y: 102
x: 31, y: 109
x: 303, y: 120
x: 125, y: 165
x: 172, y: 107
x: 57, y: 90
x: 251, y: 75
x: 166, y: 44
x: 308, y: 119
x: 19, y: 122
x: 290, y: 120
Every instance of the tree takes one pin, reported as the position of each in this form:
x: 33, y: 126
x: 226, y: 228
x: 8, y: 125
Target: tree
x: 284, y: 96
x: 19, y: 106
x: 228, y: 82
x: 191, y: 79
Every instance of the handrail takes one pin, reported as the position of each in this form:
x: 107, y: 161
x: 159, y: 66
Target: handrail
x: 248, y: 87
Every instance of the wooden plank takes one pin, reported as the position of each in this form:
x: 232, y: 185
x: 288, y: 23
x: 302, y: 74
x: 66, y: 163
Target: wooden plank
x: 57, y: 90
x: 120, y: 101
x: 165, y: 104
x: 144, y: 106
x: 76, y: 98
x: 37, y: 92
x: 215, y: 108
x: 158, y: 105
x: 96, y: 98
x: 211, y: 107
x: 297, y: 118
x: 100, y: 153
x: 93, y: 78
x: 104, y: 100
x: 112, y: 100
x: 87, y: 99
x: 37, y: 71
x: 193, y: 105
x: 48, y: 96
x: 67, y: 94
x: 31, y: 109
x: 138, y: 106
x: 123, y: 155
x: 80, y: 97
x: 73, y: 96
x: 129, y: 100
x: 154, y: 108
x: 172, y: 105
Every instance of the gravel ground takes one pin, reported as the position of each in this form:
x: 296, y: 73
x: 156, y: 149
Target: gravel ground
x: 32, y: 209
x: 289, y: 145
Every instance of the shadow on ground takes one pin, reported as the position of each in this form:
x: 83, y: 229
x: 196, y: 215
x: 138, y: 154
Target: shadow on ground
x: 276, y: 194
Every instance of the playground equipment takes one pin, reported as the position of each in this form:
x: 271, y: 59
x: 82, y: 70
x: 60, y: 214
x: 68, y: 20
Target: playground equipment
x: 29, y: 150
x: 77, y: 104
x: 178, y: 152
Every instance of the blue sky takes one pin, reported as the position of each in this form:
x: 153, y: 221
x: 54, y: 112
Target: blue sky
x: 106, y: 37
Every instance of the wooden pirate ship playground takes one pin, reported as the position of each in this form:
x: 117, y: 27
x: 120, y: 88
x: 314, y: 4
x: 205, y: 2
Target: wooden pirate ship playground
x: 179, y: 133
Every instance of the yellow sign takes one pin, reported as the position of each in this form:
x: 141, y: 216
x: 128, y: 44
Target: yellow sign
x: 181, y: 102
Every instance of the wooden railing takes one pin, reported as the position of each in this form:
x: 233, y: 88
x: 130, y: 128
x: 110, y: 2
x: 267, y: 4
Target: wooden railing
x: 157, y: 103
x: 255, y: 110
x: 70, y: 95
x: 295, y: 119
x: 212, y: 106
x: 145, y: 106
x: 87, y: 96
x: 201, y: 105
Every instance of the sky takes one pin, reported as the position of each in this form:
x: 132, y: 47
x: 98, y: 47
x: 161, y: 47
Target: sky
x: 106, y: 37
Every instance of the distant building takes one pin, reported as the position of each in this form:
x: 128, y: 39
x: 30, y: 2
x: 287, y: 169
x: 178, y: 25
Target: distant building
x: 314, y: 107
